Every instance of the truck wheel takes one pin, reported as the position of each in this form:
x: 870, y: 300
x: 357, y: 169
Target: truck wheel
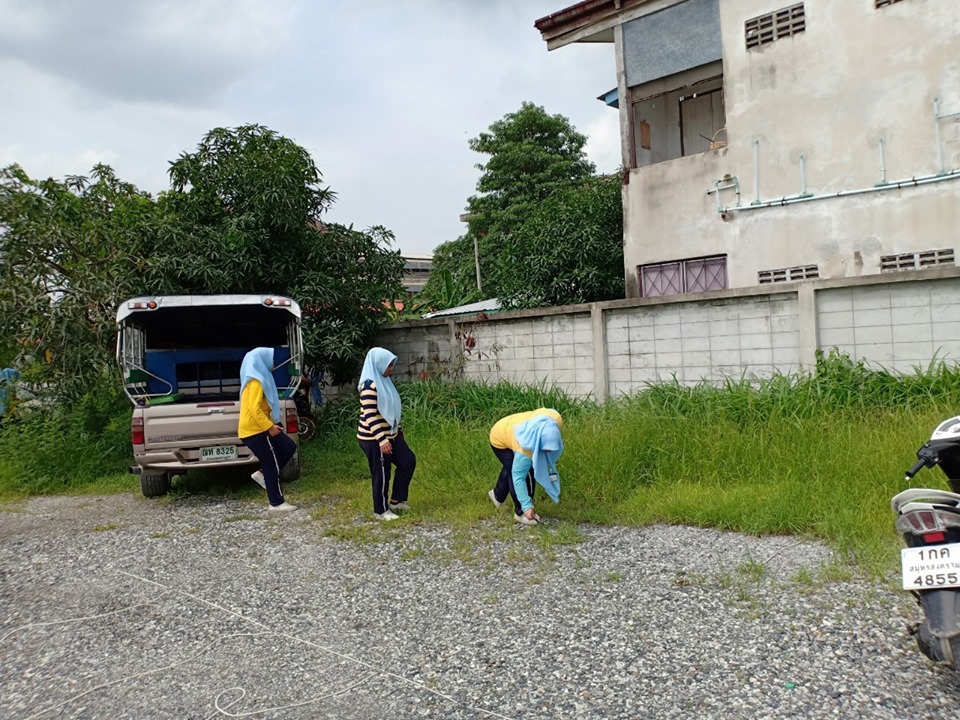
x: 154, y: 484
x: 291, y: 471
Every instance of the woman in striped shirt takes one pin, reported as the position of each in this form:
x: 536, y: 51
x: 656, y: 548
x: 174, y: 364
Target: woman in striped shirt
x: 380, y: 435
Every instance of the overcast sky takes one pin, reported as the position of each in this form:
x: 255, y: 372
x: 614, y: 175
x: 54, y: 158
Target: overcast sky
x: 385, y: 94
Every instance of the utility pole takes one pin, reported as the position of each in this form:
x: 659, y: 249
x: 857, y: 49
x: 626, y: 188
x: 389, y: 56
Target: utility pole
x: 476, y: 251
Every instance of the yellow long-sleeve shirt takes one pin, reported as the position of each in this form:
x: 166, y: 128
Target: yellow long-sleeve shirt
x: 501, y: 434
x: 254, y: 411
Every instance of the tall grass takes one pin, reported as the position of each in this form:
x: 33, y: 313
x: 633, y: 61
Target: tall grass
x: 84, y: 447
x: 818, y: 455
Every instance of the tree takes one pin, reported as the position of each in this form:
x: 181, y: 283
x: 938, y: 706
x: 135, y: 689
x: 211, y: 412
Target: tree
x: 69, y: 253
x: 243, y: 216
x: 250, y: 200
x: 532, y: 155
x: 569, y: 250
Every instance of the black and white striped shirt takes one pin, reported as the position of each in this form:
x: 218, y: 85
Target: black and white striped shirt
x: 372, y: 426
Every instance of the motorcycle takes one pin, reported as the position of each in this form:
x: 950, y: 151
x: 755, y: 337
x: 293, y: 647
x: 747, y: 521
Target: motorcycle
x: 929, y: 521
x: 307, y: 426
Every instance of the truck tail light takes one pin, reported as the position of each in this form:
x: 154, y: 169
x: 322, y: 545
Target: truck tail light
x: 136, y: 431
x: 293, y: 423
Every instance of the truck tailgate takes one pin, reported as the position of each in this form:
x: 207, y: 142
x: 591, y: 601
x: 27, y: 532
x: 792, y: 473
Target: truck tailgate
x: 191, y: 424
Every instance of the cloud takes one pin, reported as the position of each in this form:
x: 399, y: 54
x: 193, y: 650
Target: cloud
x: 174, y: 51
x: 384, y: 94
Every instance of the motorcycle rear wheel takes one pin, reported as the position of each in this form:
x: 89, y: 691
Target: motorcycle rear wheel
x: 945, y: 651
x: 307, y: 428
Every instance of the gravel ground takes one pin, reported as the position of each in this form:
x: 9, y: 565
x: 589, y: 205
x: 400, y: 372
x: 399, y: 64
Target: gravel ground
x: 120, y: 607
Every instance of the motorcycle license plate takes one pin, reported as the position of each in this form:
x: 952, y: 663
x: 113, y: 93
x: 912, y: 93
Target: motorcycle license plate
x: 931, y: 567
x: 229, y: 452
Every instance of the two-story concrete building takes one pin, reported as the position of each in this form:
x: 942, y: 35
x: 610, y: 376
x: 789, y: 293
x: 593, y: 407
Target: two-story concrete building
x: 766, y: 141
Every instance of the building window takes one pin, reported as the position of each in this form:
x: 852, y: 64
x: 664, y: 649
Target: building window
x: 764, y: 29
x: 801, y: 272
x: 680, y: 276
x: 674, y: 124
x: 884, y: 3
x: 916, y: 261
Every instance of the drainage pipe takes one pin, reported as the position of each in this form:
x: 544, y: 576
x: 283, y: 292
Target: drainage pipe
x: 756, y: 169
x: 731, y: 182
x: 893, y: 185
x: 883, y: 165
x: 937, y: 117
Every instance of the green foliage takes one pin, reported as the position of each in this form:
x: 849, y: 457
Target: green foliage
x: 442, y: 291
x: 530, y: 156
x: 243, y: 216
x: 69, y: 253
x: 67, y: 448
x: 253, y: 199
x: 569, y: 250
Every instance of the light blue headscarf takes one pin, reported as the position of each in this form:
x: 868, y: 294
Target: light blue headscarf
x: 388, y: 399
x: 7, y: 376
x: 257, y: 365
x: 541, y: 436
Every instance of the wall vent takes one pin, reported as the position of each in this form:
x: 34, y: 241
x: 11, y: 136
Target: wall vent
x: 801, y: 272
x: 764, y: 29
x: 916, y: 261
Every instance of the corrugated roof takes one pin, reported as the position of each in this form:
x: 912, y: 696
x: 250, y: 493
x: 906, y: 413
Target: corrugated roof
x: 491, y: 305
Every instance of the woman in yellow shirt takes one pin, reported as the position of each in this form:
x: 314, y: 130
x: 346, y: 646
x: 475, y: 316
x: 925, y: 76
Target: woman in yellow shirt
x: 260, y: 429
x: 528, y: 445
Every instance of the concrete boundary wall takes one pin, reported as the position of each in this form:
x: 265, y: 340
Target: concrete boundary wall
x: 898, y: 321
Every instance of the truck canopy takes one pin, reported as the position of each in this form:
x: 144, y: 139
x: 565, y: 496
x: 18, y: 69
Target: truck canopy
x: 189, y: 347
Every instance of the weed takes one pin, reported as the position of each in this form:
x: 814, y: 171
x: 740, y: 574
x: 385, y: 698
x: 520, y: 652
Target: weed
x: 804, y: 578
x: 107, y: 527
x: 753, y: 570
x: 614, y: 576
x: 412, y: 554
x: 160, y: 535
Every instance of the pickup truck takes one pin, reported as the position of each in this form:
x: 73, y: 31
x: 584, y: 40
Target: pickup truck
x: 180, y: 357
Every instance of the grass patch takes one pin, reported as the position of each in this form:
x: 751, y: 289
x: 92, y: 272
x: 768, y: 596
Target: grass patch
x: 817, y: 456
x: 107, y: 527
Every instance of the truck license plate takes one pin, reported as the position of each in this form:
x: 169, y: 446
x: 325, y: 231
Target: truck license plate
x: 220, y: 452
x: 930, y: 567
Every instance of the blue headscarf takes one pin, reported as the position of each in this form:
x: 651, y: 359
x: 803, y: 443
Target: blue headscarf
x: 7, y: 376
x: 388, y: 399
x: 257, y: 365
x: 541, y: 436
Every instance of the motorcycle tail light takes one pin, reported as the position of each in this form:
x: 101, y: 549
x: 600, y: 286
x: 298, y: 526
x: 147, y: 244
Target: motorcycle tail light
x: 293, y: 424
x: 923, y: 521
x: 934, y: 537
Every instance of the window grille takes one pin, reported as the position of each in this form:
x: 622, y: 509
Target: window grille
x: 694, y: 275
x: 792, y: 274
x: 764, y: 29
x: 916, y: 261
x: 884, y: 3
